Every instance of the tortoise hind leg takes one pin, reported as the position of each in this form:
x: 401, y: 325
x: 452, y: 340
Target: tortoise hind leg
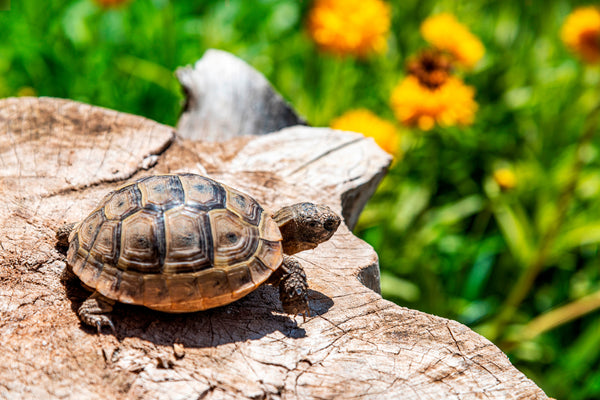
x: 93, y: 311
x: 293, y: 288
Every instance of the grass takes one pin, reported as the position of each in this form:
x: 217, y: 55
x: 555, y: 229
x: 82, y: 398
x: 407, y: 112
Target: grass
x: 518, y: 265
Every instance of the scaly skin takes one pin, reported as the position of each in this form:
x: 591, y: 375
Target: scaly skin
x: 293, y: 288
x: 94, y: 311
x: 303, y: 227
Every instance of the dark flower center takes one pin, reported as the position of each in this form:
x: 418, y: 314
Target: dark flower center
x: 431, y: 68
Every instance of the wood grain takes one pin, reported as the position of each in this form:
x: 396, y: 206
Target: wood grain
x: 227, y: 98
x: 60, y: 157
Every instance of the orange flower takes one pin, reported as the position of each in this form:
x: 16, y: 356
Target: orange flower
x: 110, y: 3
x: 581, y: 33
x: 369, y: 124
x: 445, y: 33
x: 451, y: 103
x: 350, y: 27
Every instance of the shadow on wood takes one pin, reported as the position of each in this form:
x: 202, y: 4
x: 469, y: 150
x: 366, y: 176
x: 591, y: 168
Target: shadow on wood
x: 196, y: 329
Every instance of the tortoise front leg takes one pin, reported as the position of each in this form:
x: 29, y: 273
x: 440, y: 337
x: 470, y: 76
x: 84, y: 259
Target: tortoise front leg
x: 94, y: 309
x: 293, y: 288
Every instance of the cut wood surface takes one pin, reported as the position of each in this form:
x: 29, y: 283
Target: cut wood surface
x: 58, y: 158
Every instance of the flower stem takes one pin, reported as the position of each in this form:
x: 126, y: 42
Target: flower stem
x: 527, y: 278
x: 559, y: 316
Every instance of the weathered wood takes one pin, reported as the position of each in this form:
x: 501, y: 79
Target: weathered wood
x: 355, y: 345
x: 227, y: 98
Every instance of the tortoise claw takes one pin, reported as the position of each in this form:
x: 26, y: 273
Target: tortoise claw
x: 94, y: 310
x: 98, y: 321
x: 101, y: 321
x: 305, y: 314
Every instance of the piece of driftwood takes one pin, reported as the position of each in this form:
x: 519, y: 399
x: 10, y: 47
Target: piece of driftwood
x: 58, y: 158
x: 227, y: 98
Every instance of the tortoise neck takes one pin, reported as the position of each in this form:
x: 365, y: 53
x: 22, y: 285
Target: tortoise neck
x: 286, y: 219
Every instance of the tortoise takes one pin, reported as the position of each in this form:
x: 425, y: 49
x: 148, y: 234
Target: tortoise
x: 181, y: 243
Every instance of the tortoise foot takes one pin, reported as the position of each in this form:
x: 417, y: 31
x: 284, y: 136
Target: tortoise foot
x: 293, y: 288
x: 93, y: 312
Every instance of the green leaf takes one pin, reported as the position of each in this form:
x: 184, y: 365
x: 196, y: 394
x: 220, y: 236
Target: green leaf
x: 149, y: 71
x: 75, y: 24
x: 454, y: 212
x: 516, y: 230
x: 482, y: 267
x: 412, y: 200
x: 582, y: 235
x: 393, y: 286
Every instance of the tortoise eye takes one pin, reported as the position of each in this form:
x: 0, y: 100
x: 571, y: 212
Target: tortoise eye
x: 331, y: 224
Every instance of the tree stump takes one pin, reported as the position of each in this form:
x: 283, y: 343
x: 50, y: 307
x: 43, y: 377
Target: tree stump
x: 58, y: 158
x: 227, y: 98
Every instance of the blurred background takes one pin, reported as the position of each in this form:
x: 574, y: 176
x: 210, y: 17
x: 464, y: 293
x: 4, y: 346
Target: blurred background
x: 489, y: 214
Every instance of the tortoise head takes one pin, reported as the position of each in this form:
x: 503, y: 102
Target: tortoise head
x: 305, y: 225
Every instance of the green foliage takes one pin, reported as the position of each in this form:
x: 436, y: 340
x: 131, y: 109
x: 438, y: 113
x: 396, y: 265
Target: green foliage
x: 451, y: 241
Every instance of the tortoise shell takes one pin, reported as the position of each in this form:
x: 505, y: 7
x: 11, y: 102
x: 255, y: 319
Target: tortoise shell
x: 175, y: 243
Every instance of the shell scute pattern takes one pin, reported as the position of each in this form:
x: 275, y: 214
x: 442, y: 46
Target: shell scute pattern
x: 203, y: 193
x: 258, y: 270
x: 90, y: 272
x: 244, y: 206
x: 156, y: 292
x: 235, y: 240
x: 239, y: 277
x: 78, y: 263
x: 89, y: 229
x: 162, y: 193
x: 176, y: 243
x: 131, y: 288
x: 140, y: 242
x: 188, y: 240
x: 269, y: 230
x: 215, y: 290
x: 109, y: 282
x: 123, y: 202
x: 269, y: 253
x: 106, y: 245
x: 183, y: 290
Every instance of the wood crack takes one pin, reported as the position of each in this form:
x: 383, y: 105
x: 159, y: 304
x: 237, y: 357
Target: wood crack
x: 356, y: 346
x: 323, y: 155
